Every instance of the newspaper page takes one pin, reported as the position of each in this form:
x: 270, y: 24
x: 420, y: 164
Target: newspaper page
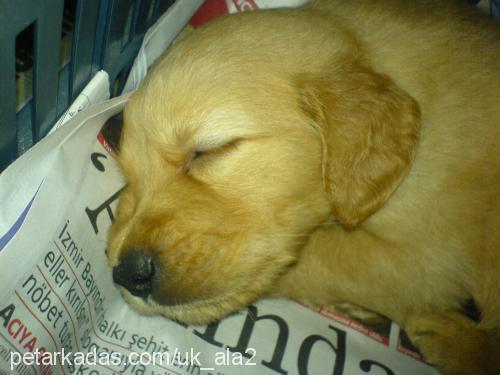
x: 61, y: 314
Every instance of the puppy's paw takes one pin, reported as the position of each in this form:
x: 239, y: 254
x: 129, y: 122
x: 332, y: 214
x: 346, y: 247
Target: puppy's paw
x: 454, y: 344
x: 436, y: 335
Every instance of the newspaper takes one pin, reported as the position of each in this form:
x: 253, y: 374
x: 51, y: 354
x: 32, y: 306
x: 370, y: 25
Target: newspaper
x: 58, y: 297
x: 158, y: 38
x: 96, y: 91
x: 60, y: 312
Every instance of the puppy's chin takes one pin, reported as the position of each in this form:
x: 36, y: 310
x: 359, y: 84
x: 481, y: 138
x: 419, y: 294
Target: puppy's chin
x: 196, y: 312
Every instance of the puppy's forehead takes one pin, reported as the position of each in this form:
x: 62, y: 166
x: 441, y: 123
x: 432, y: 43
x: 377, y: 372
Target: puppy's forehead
x: 201, y: 111
x: 220, y: 126
x: 215, y: 86
x: 204, y: 131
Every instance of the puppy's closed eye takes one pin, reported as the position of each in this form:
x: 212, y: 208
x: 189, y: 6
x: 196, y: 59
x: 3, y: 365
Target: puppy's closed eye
x: 197, y: 154
x: 203, y: 153
x: 200, y: 156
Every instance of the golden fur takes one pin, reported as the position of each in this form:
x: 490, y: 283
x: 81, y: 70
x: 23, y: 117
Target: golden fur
x: 343, y: 152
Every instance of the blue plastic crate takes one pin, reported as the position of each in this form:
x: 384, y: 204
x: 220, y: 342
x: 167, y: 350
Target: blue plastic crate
x: 50, y: 49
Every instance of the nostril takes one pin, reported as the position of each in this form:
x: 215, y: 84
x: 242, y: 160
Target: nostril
x: 135, y: 272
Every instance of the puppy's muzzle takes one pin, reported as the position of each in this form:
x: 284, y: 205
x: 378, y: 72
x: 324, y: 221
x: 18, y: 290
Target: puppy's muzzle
x: 135, y: 273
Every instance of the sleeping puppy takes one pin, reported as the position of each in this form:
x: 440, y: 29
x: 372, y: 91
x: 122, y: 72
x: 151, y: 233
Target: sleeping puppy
x: 342, y: 152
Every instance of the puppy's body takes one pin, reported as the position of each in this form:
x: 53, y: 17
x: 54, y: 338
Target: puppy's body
x: 437, y: 236
x: 384, y: 114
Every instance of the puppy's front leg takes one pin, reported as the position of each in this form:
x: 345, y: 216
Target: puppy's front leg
x: 454, y: 344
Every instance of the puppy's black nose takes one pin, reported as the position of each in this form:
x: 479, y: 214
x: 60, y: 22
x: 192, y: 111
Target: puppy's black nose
x: 135, y: 272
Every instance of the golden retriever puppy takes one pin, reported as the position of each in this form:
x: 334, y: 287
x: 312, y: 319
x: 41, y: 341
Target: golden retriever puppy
x: 343, y: 152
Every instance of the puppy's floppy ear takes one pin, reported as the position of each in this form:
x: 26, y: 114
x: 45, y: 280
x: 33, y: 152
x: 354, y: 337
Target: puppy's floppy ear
x: 369, y: 128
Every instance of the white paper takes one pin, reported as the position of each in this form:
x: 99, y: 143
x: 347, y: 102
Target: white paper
x: 158, y: 38
x: 96, y: 91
